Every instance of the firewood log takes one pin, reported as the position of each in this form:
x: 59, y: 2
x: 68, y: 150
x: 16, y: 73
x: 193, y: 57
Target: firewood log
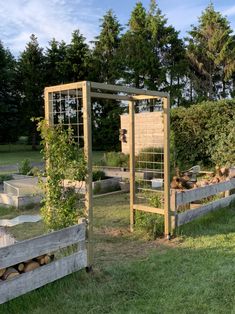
x: 10, y: 273
x: 41, y: 259
x: 20, y: 267
x: 47, y: 259
x: 2, y: 271
x: 31, y: 266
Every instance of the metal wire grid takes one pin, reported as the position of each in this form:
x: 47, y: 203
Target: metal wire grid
x: 149, y: 152
x: 66, y: 110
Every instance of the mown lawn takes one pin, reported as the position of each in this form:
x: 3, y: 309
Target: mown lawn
x: 14, y: 154
x: 193, y: 273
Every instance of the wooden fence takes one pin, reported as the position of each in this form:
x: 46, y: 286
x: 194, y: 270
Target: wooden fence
x: 179, y: 198
x: 28, y: 249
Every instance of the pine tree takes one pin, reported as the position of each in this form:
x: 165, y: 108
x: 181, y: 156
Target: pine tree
x: 210, y: 51
x: 31, y: 78
x: 106, y: 114
x: 9, y: 97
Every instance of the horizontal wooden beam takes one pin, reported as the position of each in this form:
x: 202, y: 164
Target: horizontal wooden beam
x: 41, y: 276
x: 126, y: 89
x: 64, y: 87
x: 148, y: 209
x: 110, y: 96
x: 189, y: 196
x: 192, y: 214
x: 28, y: 249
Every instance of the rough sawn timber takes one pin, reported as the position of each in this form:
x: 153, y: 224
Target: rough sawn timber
x: 24, y: 283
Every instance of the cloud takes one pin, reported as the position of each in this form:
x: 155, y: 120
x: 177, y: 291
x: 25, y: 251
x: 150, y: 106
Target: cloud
x: 229, y: 11
x: 46, y: 19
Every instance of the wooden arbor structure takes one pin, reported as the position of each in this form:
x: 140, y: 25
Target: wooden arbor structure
x: 71, y: 105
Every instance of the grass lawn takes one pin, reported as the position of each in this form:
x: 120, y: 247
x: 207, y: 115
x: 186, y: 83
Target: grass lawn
x: 193, y: 273
x: 13, y: 154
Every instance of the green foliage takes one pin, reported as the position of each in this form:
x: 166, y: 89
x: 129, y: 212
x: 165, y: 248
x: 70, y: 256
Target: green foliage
x: 5, y: 177
x: 152, y: 224
x: 25, y: 167
x: 210, y: 51
x: 98, y: 175
x: 204, y: 133
x: 62, y: 205
x: 150, y: 158
x: 116, y: 159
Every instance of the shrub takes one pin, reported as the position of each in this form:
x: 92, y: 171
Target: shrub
x: 116, y: 159
x: 98, y: 175
x: 152, y: 224
x: 5, y: 177
x: 150, y: 158
x: 25, y: 167
x: 201, y: 133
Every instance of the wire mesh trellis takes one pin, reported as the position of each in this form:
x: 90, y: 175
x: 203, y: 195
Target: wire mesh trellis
x: 70, y: 105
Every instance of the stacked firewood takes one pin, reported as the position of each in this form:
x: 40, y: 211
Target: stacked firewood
x: 184, y: 181
x: 24, y: 267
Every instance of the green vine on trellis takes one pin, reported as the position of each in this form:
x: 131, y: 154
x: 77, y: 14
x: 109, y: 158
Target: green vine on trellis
x: 65, y: 165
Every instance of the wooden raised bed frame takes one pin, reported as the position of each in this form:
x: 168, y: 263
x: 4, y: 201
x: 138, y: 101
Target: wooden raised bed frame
x: 28, y: 249
x: 179, y: 198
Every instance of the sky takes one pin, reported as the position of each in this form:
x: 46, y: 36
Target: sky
x: 49, y: 19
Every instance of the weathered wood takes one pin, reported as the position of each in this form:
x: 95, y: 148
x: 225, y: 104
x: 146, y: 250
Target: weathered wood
x: 31, y: 266
x: 25, y: 250
x: 132, y: 163
x: 125, y: 89
x: 149, y: 209
x: 202, y: 192
x: 86, y: 96
x: 11, y: 272
x: 43, y: 275
x: 192, y: 214
x: 166, y: 121
x: 64, y: 87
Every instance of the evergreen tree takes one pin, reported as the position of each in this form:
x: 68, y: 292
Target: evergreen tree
x: 31, y: 80
x: 8, y: 97
x: 211, y: 50
x: 76, y: 62
x: 106, y: 113
x: 55, y: 61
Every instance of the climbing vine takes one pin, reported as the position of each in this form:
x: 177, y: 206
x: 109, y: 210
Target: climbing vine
x: 66, y: 168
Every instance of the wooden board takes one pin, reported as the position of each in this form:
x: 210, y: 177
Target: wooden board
x: 25, y: 250
x: 149, y: 209
x: 189, y: 196
x: 192, y: 214
x: 41, y: 276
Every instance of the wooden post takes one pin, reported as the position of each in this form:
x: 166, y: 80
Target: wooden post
x: 48, y: 107
x: 86, y: 97
x: 132, y: 162
x: 166, y: 119
x: 173, y: 210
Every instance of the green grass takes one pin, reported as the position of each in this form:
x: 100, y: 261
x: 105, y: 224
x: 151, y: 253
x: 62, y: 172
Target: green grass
x: 193, y: 273
x: 15, y: 153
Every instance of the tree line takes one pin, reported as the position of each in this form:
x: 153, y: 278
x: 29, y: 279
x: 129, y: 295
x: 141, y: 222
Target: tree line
x: 147, y: 53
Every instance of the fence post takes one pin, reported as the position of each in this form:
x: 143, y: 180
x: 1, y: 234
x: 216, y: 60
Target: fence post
x: 166, y: 119
x: 86, y: 98
x: 132, y: 162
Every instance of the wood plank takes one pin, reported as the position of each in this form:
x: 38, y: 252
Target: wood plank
x: 192, y: 214
x: 126, y: 89
x: 132, y: 162
x: 41, y: 276
x: 86, y: 98
x: 166, y: 121
x: 109, y: 96
x: 64, y: 87
x: 199, y: 193
x: 149, y: 209
x: 25, y: 250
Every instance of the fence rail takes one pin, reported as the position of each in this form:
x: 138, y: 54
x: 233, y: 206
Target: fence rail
x: 29, y: 249
x: 179, y: 198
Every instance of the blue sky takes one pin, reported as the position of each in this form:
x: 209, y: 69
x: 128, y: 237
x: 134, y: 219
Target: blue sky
x: 58, y: 18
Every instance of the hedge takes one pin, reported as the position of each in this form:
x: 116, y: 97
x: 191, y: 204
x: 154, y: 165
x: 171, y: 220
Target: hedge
x: 204, y: 134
